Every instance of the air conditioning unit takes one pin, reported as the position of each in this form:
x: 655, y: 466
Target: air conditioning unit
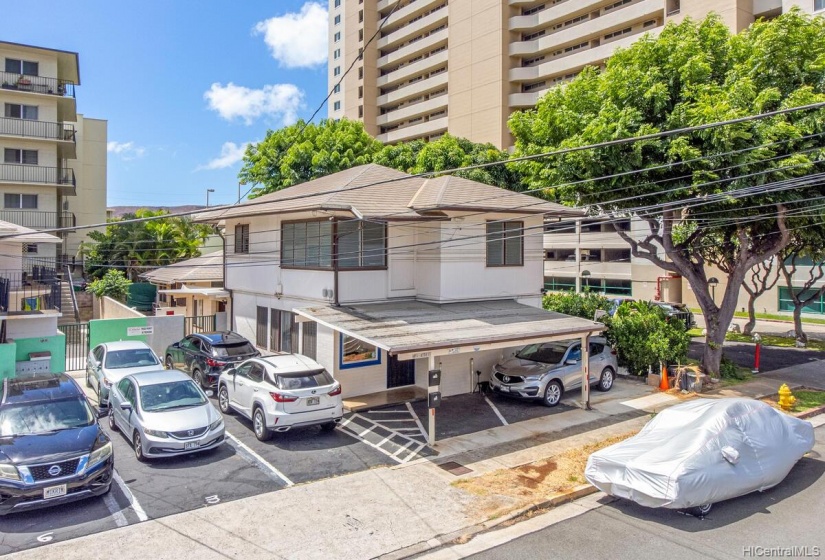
x: 327, y: 293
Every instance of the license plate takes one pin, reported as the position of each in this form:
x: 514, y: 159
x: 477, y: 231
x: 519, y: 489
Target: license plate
x: 54, y: 492
x: 312, y: 401
x: 505, y: 389
x: 191, y: 445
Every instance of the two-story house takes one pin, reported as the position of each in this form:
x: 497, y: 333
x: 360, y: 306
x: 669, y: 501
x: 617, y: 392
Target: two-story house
x: 383, y: 276
x: 53, y: 167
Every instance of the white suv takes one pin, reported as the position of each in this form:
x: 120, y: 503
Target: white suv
x: 281, y: 392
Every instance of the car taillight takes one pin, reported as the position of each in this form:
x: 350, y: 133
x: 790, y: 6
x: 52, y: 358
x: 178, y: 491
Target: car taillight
x: 214, y: 363
x: 613, y: 351
x: 280, y: 397
x: 336, y: 391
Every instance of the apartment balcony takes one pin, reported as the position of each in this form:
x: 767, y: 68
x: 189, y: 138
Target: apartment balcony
x: 610, y: 270
x: 62, y: 133
x: 413, y: 110
x: 39, y: 175
x: 591, y: 240
x: 427, y: 128
x: 413, y: 49
x: 416, y: 28
x: 36, y: 219
x: 411, y: 90
x: 634, y: 13
x: 562, y: 11
x: 36, y: 84
x: 21, y: 292
x: 414, y: 69
x: 412, y: 9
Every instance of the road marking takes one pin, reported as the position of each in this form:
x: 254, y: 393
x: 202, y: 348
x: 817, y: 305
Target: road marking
x: 500, y: 416
x: 417, y: 420
x: 415, y: 452
x: 261, y: 463
x: 212, y: 500
x: 402, y: 448
x: 46, y: 537
x: 133, y: 503
x: 382, y: 420
x: 384, y: 411
x: 114, y: 510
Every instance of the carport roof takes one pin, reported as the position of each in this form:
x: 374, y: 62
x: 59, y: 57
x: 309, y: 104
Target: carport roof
x: 417, y: 329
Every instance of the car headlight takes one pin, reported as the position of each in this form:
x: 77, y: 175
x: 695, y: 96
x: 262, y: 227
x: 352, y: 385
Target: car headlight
x: 155, y: 433
x: 216, y: 424
x: 9, y: 472
x: 106, y: 381
x: 99, y: 455
x: 533, y: 377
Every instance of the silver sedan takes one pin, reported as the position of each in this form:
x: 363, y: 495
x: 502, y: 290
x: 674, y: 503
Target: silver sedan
x: 164, y: 413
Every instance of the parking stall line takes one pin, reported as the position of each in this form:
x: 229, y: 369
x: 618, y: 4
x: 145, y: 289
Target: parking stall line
x: 414, y: 453
x: 133, y: 503
x: 500, y: 416
x: 417, y: 420
x: 406, y: 446
x: 114, y: 509
x: 259, y: 461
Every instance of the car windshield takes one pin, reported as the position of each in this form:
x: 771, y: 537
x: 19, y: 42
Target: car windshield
x: 168, y: 396
x: 304, y: 380
x: 547, y: 353
x: 43, y: 417
x: 241, y: 349
x: 135, y: 357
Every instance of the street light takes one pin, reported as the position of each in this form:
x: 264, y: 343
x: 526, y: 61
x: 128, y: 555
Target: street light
x: 207, y: 196
x: 712, y: 282
x: 585, y: 276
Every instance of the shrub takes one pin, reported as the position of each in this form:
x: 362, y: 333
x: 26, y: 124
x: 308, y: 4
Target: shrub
x: 728, y: 369
x: 113, y: 284
x: 582, y: 305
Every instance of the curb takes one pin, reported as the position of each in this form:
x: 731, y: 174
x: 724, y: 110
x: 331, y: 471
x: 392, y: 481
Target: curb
x: 443, y: 540
x: 810, y: 413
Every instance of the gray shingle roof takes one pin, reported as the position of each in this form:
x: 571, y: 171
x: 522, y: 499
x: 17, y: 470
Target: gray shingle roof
x: 205, y: 268
x: 379, y: 192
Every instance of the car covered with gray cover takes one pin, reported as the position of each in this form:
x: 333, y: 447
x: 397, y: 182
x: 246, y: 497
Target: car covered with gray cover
x: 700, y: 452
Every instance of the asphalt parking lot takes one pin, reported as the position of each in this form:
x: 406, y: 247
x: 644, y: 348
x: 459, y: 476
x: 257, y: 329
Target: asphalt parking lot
x: 241, y: 467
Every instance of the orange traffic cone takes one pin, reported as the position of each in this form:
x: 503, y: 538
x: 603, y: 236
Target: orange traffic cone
x: 663, y: 384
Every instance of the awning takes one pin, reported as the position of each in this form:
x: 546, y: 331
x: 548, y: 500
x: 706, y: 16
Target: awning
x: 421, y: 330
x: 216, y: 293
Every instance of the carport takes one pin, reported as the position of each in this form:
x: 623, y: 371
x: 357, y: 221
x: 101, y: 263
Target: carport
x: 414, y: 330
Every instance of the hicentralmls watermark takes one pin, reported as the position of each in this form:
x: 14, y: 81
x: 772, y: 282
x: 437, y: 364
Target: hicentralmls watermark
x: 781, y: 551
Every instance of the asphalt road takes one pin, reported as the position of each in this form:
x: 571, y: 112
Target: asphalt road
x: 788, y: 515
x: 772, y: 357
x: 241, y: 467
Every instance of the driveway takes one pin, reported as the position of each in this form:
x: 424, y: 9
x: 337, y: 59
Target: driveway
x: 771, y: 357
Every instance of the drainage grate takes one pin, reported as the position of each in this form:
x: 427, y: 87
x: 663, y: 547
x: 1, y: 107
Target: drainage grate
x: 454, y: 468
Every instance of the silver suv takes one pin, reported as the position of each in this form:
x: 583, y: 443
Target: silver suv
x: 545, y: 370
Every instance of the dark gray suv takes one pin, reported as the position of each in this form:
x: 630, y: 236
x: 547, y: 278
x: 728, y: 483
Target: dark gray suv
x: 206, y: 355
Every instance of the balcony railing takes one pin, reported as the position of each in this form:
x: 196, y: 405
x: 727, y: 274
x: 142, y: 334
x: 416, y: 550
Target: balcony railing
x: 37, y: 129
x: 36, y: 84
x: 37, y: 219
x: 17, y: 173
x: 24, y: 292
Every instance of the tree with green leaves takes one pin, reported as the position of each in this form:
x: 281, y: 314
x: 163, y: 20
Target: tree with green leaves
x: 113, y: 284
x: 726, y: 196
x: 137, y: 247
x: 802, y: 265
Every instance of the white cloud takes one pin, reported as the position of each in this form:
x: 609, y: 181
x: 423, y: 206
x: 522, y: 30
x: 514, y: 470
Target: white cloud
x: 126, y: 150
x: 237, y: 102
x: 231, y: 154
x: 297, y: 40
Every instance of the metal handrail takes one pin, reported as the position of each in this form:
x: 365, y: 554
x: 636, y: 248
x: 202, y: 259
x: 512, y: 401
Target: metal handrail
x: 29, y: 128
x: 71, y: 291
x: 37, y: 219
x: 20, y: 173
x: 36, y: 84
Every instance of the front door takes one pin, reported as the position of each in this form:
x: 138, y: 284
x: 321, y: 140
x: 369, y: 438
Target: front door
x: 400, y: 372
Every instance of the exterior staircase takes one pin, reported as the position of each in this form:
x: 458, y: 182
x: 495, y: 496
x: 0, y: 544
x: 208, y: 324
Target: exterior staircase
x: 67, y: 308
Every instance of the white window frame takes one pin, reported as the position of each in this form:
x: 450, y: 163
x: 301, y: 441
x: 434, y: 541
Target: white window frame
x: 23, y: 111
x: 19, y: 204
x: 20, y: 160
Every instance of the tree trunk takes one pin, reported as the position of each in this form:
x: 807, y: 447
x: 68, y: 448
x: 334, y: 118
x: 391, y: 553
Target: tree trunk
x: 751, y: 324
x: 797, y: 324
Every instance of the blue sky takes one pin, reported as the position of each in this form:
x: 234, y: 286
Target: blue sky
x: 184, y: 85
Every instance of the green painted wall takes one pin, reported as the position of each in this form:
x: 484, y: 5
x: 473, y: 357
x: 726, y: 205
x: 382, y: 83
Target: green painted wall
x: 112, y: 330
x: 8, y: 354
x: 55, y: 344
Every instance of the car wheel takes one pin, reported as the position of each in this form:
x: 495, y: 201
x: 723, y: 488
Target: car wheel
x: 700, y: 511
x: 169, y: 363
x: 112, y: 424
x: 328, y: 426
x: 552, y: 394
x: 606, y: 380
x: 137, y: 444
x: 259, y: 425
x: 223, y: 400
x: 198, y: 377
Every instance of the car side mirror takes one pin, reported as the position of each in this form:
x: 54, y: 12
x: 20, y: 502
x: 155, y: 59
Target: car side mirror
x: 571, y: 362
x: 126, y: 406
x: 176, y: 345
x: 209, y: 393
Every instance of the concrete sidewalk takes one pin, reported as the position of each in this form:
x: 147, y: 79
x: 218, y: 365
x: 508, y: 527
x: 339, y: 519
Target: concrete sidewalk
x: 387, y: 511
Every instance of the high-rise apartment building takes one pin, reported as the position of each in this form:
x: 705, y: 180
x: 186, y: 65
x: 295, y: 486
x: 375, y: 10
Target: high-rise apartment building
x: 53, y: 171
x: 463, y: 66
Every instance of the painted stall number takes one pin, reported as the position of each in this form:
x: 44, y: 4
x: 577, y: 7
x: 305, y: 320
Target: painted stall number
x: 212, y: 500
x: 45, y: 537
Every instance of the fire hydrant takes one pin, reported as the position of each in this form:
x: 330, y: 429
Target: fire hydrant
x: 786, y: 399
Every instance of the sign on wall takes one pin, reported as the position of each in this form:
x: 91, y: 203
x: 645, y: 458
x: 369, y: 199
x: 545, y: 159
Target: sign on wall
x: 139, y: 331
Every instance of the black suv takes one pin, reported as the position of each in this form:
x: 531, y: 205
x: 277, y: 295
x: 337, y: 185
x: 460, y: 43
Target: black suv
x: 52, y: 450
x: 677, y: 310
x: 206, y: 355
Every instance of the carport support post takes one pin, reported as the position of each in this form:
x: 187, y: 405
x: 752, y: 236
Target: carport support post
x: 586, y: 372
x: 431, y: 411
